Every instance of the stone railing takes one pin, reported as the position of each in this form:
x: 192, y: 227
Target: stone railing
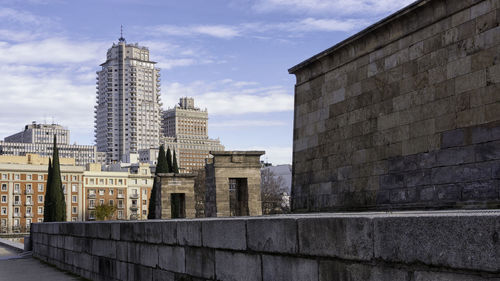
x: 441, y: 245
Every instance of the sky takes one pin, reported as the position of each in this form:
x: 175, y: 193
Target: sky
x: 231, y: 56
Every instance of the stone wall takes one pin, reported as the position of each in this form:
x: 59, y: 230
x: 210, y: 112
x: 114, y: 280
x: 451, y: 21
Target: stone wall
x: 403, y: 115
x: 232, y: 164
x: 358, y: 246
x: 177, y: 183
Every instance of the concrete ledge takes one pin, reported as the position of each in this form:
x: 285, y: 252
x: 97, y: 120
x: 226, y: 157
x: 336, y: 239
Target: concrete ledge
x: 338, y: 246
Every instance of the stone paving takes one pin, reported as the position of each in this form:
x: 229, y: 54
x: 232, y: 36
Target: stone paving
x: 20, y: 266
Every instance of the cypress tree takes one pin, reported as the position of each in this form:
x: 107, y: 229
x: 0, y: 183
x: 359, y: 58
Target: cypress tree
x: 169, y: 161
x: 56, y: 186
x: 47, y: 204
x: 161, y: 167
x: 175, y: 167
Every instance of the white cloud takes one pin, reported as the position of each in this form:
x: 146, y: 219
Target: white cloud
x: 51, y: 51
x: 366, y: 8
x: 228, y: 97
x: 219, y: 31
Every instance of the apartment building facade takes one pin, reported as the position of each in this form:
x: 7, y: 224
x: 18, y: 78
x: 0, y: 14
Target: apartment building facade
x: 23, y: 185
x: 129, y: 192
x: 22, y: 191
x: 127, y: 113
x: 38, y: 139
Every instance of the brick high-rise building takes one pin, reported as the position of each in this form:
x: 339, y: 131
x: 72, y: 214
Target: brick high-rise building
x: 185, y: 131
x: 127, y: 114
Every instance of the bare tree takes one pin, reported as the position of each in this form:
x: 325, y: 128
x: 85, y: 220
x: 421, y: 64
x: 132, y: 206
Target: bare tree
x: 272, y: 193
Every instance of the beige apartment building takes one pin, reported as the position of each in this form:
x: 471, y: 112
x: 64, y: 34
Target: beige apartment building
x: 128, y: 191
x: 22, y: 190
x: 23, y: 185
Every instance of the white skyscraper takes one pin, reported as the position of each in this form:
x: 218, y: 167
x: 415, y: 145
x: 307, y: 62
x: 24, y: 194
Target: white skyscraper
x: 127, y: 114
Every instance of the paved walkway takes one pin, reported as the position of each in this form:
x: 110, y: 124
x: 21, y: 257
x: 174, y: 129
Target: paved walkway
x: 18, y: 266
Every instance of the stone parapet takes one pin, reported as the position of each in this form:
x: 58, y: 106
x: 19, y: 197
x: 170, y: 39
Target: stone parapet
x: 439, y: 245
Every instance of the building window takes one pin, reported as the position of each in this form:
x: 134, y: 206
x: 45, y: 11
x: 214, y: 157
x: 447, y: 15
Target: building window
x: 4, y: 187
x: 4, y: 176
x: 144, y: 212
x: 28, y: 211
x: 145, y: 191
x: 111, y: 202
x: 73, y: 210
x: 17, y: 187
x: 4, y: 210
x: 145, y: 181
x: 16, y: 177
x: 120, y: 182
x: 28, y: 188
x: 91, y: 181
x: 111, y: 192
x: 17, y: 200
x: 73, y: 198
x: 101, y: 181
x: 91, y: 191
x: 40, y: 198
x: 40, y: 219
x: 40, y: 187
x: 4, y: 222
x: 73, y: 219
x: 120, y: 215
x: 144, y: 202
x: 101, y: 201
x: 28, y: 177
x: 101, y: 191
x: 16, y: 211
x: 40, y: 210
x: 92, y: 215
x: 120, y: 203
x: 16, y: 222
x: 91, y: 203
x: 74, y: 178
x: 73, y: 188
x: 28, y: 200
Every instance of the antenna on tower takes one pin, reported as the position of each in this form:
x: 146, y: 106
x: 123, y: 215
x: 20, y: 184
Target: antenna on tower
x: 121, y: 39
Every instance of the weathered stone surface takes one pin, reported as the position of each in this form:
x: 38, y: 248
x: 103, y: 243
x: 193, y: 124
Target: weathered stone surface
x: 232, y: 266
x: 189, y: 233
x: 169, y: 232
x: 281, y: 268
x: 273, y: 235
x: 423, y: 239
x: 428, y: 89
x: 224, y: 234
x: 200, y: 262
x: 171, y: 258
x: 331, y: 270
x: 346, y: 238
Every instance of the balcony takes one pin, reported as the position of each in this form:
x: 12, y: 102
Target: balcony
x: 28, y: 203
x: 28, y: 215
x: 91, y: 196
x: 120, y: 196
x: 17, y: 215
x: 17, y: 191
x: 134, y: 196
x: 134, y: 208
x: 17, y: 203
x: 30, y: 191
x: 91, y: 207
x: 120, y: 207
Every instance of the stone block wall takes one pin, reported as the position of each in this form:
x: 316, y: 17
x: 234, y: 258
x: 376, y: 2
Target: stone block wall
x: 403, y: 115
x: 323, y: 247
x: 232, y: 164
x: 177, y: 183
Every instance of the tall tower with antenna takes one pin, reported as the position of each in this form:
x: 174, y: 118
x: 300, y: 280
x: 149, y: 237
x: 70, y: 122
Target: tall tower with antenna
x: 127, y: 113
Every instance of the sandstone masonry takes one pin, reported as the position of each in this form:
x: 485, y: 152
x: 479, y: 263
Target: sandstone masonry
x: 404, y: 114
